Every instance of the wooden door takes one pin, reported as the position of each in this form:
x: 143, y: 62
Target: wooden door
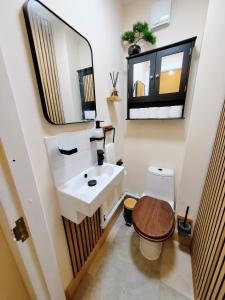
x: 38, y: 258
x: 11, y: 282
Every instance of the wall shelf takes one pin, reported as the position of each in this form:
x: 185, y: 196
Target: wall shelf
x: 114, y: 98
x: 142, y: 119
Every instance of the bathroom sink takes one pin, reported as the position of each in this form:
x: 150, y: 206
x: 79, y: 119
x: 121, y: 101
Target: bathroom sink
x: 76, y: 194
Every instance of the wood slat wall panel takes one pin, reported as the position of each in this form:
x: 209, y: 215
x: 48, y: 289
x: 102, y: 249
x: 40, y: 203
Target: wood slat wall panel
x: 208, y: 250
x: 90, y: 233
x: 81, y: 239
x: 208, y: 190
x: 70, y: 245
x: 75, y: 245
x: 87, y: 236
x: 80, y: 244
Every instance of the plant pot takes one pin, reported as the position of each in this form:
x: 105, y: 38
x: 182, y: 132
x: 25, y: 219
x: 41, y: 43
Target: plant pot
x: 134, y: 49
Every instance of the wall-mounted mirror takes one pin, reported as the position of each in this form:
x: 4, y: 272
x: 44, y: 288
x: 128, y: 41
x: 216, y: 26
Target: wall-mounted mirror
x: 63, y: 64
x: 141, y: 76
x: 170, y: 75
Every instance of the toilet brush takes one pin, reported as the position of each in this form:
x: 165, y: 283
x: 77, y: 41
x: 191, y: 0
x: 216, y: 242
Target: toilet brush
x: 185, y: 218
x: 183, y: 226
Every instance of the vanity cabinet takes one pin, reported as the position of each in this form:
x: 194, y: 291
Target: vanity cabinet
x: 157, y: 81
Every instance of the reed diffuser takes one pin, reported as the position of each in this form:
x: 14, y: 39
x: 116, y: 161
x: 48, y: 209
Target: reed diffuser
x: 114, y: 94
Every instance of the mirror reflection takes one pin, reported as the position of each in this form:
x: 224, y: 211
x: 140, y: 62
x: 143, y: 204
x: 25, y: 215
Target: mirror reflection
x: 141, y: 75
x: 170, y: 76
x: 63, y: 66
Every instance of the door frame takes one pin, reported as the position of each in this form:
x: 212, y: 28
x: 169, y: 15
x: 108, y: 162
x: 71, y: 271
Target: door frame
x: 13, y: 140
x: 23, y: 253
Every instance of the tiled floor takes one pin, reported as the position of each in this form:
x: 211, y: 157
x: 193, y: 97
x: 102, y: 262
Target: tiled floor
x: 120, y: 272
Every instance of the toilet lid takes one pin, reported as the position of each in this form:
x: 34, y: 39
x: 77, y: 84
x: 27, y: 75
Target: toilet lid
x: 153, y: 219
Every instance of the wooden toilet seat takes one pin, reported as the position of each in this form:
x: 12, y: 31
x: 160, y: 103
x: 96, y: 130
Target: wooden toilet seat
x: 153, y: 219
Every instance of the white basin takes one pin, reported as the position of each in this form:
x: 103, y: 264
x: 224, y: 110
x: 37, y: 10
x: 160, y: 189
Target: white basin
x: 75, y: 194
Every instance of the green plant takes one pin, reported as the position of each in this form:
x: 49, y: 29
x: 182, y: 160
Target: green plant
x: 140, y: 32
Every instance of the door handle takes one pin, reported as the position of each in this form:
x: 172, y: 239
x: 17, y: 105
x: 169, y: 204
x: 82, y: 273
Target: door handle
x: 151, y: 77
x: 157, y: 76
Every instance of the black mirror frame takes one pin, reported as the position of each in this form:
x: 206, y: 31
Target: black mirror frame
x: 35, y: 61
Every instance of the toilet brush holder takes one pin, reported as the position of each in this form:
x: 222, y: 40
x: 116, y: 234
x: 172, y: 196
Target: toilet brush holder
x: 184, y: 227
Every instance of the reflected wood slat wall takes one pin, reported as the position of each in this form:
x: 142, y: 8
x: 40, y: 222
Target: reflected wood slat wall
x: 88, y: 88
x: 44, y: 45
x: 86, y: 81
x: 81, y: 239
x: 208, y: 249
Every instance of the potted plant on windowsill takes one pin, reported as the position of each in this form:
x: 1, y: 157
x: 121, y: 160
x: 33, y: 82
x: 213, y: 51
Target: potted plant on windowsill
x: 140, y: 32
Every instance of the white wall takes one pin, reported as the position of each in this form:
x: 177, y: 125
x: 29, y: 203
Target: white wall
x: 162, y: 142
x: 63, y: 68
x: 103, y: 36
x: 84, y: 54
x: 73, y: 52
x: 208, y: 99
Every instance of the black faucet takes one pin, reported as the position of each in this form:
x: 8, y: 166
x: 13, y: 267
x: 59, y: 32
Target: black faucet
x: 100, y: 155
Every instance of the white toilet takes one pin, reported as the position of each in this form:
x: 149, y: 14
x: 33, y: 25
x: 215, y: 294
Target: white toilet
x: 153, y: 216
